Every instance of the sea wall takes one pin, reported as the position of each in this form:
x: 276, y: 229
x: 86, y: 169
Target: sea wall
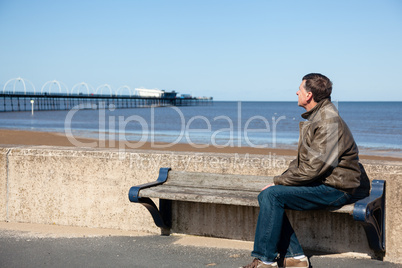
x: 89, y: 188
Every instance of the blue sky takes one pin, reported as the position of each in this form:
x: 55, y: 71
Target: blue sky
x: 231, y: 50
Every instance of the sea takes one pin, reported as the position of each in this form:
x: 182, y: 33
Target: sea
x: 376, y: 126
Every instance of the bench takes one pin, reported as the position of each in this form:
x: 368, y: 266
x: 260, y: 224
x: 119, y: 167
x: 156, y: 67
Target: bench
x: 243, y: 190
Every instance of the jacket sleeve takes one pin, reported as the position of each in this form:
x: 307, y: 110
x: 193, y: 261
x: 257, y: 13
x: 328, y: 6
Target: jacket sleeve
x: 317, y: 155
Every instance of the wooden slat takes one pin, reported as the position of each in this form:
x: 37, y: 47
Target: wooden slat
x: 202, y: 195
x: 213, y: 188
x: 345, y: 209
x: 218, y: 181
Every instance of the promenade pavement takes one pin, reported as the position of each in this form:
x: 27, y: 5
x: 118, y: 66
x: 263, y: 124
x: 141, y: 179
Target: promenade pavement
x: 32, y: 245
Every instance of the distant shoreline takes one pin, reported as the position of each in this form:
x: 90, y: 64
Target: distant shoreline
x: 36, y: 138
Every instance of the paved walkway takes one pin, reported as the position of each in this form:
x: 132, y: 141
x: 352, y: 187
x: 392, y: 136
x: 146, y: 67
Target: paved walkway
x: 21, y: 247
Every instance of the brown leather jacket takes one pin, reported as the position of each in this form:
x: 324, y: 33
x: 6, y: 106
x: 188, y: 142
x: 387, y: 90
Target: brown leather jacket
x: 327, y: 152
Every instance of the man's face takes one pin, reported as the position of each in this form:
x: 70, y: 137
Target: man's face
x: 302, y: 94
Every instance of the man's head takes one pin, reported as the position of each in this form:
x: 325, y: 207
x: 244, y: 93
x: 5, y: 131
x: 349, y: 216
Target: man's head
x: 314, y: 88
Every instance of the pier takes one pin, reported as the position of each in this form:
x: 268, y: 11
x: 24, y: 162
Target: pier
x: 27, y: 101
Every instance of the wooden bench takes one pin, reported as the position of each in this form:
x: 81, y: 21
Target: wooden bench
x: 243, y: 190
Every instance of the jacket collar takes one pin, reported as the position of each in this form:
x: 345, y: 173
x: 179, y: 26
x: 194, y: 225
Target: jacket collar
x: 310, y: 114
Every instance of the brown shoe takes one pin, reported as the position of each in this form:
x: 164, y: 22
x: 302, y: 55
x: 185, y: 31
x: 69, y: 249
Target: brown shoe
x: 259, y: 264
x: 296, y: 263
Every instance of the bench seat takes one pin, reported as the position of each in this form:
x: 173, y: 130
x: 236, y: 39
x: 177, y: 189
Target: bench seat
x: 243, y: 190
x: 240, y: 190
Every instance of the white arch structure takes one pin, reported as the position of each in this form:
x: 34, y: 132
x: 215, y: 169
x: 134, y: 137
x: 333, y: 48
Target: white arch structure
x: 88, y: 87
x: 19, y: 80
x: 101, y: 87
x: 79, y: 88
x: 52, y: 83
x: 122, y: 88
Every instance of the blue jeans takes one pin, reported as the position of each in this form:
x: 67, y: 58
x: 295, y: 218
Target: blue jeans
x: 274, y: 234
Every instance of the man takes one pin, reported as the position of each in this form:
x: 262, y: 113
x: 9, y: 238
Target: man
x: 324, y: 174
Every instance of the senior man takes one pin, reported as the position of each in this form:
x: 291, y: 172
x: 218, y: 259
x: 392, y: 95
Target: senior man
x: 325, y: 174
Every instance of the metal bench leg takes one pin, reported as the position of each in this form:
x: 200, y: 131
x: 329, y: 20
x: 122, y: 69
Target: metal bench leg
x: 371, y: 213
x: 162, y: 217
x: 165, y: 210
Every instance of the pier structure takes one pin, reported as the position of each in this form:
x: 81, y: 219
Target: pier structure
x: 20, y: 95
x: 27, y: 101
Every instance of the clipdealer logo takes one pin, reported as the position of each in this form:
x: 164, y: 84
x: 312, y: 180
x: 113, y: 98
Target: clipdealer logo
x: 200, y: 161
x: 242, y: 132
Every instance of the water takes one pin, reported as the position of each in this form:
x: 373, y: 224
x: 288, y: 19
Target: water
x: 375, y: 125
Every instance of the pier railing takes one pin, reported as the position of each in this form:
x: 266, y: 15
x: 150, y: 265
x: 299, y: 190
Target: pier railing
x: 27, y: 101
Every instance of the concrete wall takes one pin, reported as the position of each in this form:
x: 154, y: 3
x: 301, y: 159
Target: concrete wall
x: 3, y: 183
x: 85, y: 187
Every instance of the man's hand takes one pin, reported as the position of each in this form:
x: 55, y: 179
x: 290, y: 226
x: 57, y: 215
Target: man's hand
x: 269, y: 185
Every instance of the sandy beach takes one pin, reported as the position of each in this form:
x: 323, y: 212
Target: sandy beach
x: 22, y: 137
